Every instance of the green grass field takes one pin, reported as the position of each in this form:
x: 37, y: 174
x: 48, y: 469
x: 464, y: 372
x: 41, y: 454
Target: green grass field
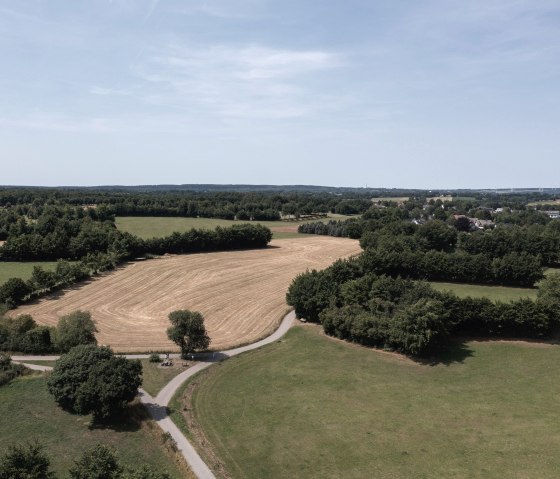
x: 396, y: 199
x: 28, y: 412
x: 309, y: 406
x: 151, y: 226
x: 555, y: 202
x: 20, y: 269
x: 495, y: 293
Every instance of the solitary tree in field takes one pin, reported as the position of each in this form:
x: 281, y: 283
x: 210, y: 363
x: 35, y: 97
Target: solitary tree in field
x: 91, y: 379
x: 187, y: 331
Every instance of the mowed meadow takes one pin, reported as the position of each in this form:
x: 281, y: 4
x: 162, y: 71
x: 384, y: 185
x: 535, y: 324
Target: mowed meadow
x: 156, y: 226
x: 313, y: 406
x: 240, y: 293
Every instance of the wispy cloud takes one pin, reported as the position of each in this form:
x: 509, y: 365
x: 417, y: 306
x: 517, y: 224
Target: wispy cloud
x: 103, y: 91
x: 248, y: 81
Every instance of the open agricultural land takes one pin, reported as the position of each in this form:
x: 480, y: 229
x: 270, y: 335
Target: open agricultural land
x: 240, y: 293
x: 22, y: 269
x: 312, y: 406
x: 157, y: 226
x: 28, y: 412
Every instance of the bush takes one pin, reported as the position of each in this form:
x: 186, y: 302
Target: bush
x: 9, y: 370
x: 154, y: 358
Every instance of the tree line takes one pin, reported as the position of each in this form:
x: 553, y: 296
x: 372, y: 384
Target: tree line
x: 120, y: 247
x: 409, y: 316
x: 255, y: 205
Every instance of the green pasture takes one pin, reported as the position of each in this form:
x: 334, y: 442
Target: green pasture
x: 495, y: 293
x: 22, y: 269
x: 28, y: 412
x: 396, y: 199
x: 152, y: 226
x: 311, y: 406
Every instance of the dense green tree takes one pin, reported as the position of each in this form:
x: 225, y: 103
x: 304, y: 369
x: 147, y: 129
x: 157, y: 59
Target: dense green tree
x: 438, y: 236
x: 99, y: 462
x: 74, y: 329
x: 188, y: 331
x: 91, y: 379
x: 420, y: 328
x: 27, y: 461
x: 13, y: 291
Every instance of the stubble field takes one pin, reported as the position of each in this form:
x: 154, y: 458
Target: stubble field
x: 241, y: 293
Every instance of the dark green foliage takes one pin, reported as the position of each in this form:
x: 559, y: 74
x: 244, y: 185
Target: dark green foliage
x: 23, y: 334
x: 74, y: 329
x: 355, y: 304
x: 91, y: 379
x: 100, y: 462
x: 436, y: 235
x: 13, y: 291
x: 513, y: 269
x: 313, y: 291
x: 25, y: 462
x: 9, y: 370
x: 420, y: 328
x: 188, y: 331
x: 535, y: 240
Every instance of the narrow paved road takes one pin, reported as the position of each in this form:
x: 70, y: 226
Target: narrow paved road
x: 157, y: 407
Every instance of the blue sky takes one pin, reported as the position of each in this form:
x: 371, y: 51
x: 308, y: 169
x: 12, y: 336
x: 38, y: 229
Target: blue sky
x: 394, y: 93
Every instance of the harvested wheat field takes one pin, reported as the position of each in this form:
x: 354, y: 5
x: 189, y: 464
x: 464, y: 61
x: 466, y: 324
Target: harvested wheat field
x: 241, y: 293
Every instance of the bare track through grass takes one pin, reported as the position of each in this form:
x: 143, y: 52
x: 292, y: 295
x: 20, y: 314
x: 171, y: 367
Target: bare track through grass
x: 241, y: 293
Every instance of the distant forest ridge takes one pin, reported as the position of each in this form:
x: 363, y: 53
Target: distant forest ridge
x: 390, y: 192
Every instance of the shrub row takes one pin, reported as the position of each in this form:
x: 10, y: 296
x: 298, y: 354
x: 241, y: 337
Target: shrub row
x: 410, y: 316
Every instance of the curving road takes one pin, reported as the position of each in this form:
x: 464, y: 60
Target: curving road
x: 157, y: 407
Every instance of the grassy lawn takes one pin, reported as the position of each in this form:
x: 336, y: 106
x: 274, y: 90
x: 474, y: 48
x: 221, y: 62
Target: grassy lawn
x: 151, y: 226
x: 496, y: 293
x: 154, y: 377
x: 309, y: 406
x: 20, y: 269
x: 28, y: 412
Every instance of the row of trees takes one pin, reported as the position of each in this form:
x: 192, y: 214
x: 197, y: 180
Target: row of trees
x: 206, y: 204
x: 410, y: 316
x: 126, y: 246
x: 29, y: 461
x: 24, y: 335
x: 514, y: 269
